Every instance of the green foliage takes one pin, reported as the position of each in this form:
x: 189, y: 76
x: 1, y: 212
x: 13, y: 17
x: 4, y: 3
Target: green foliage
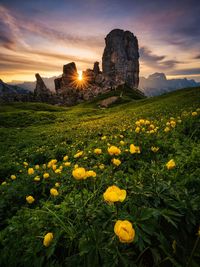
x: 162, y: 204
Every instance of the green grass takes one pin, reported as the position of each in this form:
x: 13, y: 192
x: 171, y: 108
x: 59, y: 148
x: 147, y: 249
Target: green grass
x: 163, y: 205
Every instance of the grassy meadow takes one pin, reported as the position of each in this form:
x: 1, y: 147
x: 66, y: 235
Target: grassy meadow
x: 85, y: 186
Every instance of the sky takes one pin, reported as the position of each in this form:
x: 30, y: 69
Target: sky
x: 43, y: 35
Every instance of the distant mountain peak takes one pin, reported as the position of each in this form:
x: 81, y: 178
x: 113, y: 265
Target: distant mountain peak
x: 158, y: 75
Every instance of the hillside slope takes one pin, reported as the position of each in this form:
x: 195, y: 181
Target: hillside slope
x: 150, y: 148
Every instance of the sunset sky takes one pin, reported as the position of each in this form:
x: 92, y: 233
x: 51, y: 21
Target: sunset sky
x: 41, y: 36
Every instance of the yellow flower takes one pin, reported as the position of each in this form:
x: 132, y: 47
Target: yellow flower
x: 134, y: 149
x: 113, y: 150
x: 3, y: 183
x: 174, y: 246
x: 37, y: 178
x: 57, y: 184
x: 141, y: 121
x: 170, y: 164
x: 114, y: 193
x: 54, y: 167
x: 79, y: 173
x: 48, y: 239
x: 97, y: 151
x: 13, y: 177
x: 173, y: 124
x: 65, y: 158
x: 154, y: 149
x: 30, y: 171
x: 25, y: 164
x: 78, y: 154
x: 30, y: 199
x: 54, y: 192
x: 58, y: 171
x: 101, y: 166
x: 67, y: 164
x: 91, y: 173
x: 51, y: 163
x: 137, y: 130
x: 116, y: 162
x: 46, y: 175
x: 194, y: 113
x: 37, y: 167
x: 122, y: 143
x: 103, y: 137
x: 125, y: 231
x: 167, y: 129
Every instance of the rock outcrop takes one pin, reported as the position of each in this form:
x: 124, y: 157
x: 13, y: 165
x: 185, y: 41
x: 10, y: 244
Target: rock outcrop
x: 41, y: 92
x: 120, y: 60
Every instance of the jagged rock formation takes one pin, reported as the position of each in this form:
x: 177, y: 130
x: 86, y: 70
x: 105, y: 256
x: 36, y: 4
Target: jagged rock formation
x: 120, y: 60
x: 120, y: 66
x: 96, y: 68
x: 41, y: 92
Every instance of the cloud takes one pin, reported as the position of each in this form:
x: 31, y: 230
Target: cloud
x: 189, y: 71
x: 156, y: 61
x: 147, y: 55
x: 197, y: 57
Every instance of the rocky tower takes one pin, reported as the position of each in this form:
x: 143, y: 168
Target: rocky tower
x: 41, y: 91
x: 120, y: 60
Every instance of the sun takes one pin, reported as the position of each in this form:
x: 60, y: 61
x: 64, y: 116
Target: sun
x: 80, y: 75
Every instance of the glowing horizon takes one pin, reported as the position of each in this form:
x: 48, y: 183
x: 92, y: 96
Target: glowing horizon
x: 42, y: 37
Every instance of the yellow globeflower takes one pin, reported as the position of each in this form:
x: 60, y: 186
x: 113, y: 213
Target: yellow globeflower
x: 167, y: 129
x: 30, y: 199
x: 116, y: 162
x: 46, y: 175
x: 173, y: 124
x: 79, y: 173
x: 91, y: 173
x: 67, y: 164
x: 65, y: 158
x: 170, y: 164
x: 122, y: 143
x: 51, y: 163
x: 78, y: 154
x: 125, y: 231
x: 103, y: 137
x: 37, y: 178
x: 113, y: 150
x: 54, y: 192
x: 114, y: 194
x: 101, y: 166
x: 48, y: 239
x: 13, y: 177
x: 194, y: 113
x: 37, y: 167
x: 3, y: 183
x: 134, y: 149
x: 154, y: 149
x: 57, y: 184
x: 137, y: 130
x: 97, y: 151
x: 25, y: 164
x: 58, y: 171
x: 30, y: 171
